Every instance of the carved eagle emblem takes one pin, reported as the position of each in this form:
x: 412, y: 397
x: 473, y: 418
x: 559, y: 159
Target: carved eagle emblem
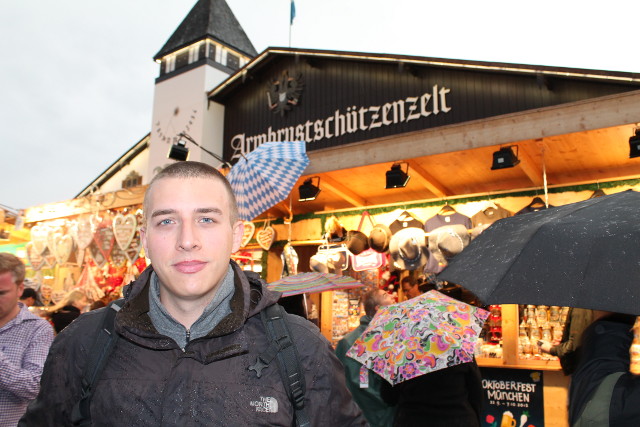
x: 284, y: 93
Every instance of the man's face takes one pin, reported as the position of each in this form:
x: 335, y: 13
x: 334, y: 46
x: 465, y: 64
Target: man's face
x: 189, y: 237
x: 384, y: 298
x: 9, y: 295
x: 410, y: 291
x: 29, y: 301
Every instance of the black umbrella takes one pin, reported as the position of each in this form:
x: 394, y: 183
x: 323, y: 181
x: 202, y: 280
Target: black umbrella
x: 585, y: 254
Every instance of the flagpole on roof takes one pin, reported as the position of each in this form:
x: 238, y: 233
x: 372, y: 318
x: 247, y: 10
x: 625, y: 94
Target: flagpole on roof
x: 293, y: 15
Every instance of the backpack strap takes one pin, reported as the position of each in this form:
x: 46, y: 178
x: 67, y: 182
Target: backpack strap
x: 283, y: 349
x: 98, y: 355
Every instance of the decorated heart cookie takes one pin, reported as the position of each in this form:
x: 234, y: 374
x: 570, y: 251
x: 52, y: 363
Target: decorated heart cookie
x: 104, y: 239
x: 35, y: 258
x: 84, y: 232
x: 39, y: 235
x: 63, y: 248
x: 124, y: 228
x: 249, y: 229
x: 266, y: 237
x: 133, y: 251
x: 52, y: 236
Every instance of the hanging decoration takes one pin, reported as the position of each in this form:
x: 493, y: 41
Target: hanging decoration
x: 83, y: 231
x: 104, y: 238
x: 39, y: 237
x: 124, y: 229
x: 133, y: 251
x: 266, y: 237
x: 63, y: 248
x: 249, y: 230
x: 34, y: 256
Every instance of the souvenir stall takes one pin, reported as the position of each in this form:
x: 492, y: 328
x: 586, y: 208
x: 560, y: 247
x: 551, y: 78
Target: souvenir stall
x: 91, y: 243
x: 508, y: 339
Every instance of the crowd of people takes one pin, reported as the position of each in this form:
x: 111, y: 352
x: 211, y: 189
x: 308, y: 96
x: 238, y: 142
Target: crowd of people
x: 197, y: 347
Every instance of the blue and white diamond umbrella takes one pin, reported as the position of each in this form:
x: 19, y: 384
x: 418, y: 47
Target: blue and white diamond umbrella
x: 266, y: 176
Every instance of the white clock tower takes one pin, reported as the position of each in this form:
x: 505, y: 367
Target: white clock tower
x: 207, y: 47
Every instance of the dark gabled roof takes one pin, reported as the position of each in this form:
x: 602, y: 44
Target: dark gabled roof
x: 209, y: 18
x: 270, y: 54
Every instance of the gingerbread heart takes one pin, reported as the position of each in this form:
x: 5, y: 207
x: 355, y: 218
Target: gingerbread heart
x: 118, y: 257
x: 124, y: 228
x: 133, y: 251
x: 49, y: 258
x: 34, y: 256
x: 64, y: 248
x: 52, y: 235
x: 83, y: 231
x: 39, y: 235
x: 104, y: 239
x: 266, y: 237
x: 249, y: 229
x: 96, y: 254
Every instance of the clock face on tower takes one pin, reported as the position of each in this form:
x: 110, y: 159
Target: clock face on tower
x: 178, y: 121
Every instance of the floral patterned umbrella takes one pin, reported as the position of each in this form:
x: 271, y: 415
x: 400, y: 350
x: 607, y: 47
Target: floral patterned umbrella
x: 418, y: 336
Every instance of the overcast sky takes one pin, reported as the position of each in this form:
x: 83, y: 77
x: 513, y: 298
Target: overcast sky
x: 77, y: 76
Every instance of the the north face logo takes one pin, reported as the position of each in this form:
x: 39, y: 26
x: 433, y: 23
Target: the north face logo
x: 265, y: 404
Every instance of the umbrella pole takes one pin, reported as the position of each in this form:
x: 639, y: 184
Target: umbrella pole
x: 544, y: 180
x: 306, y: 309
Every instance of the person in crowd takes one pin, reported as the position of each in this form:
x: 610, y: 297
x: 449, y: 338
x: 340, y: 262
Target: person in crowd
x: 68, y: 310
x: 410, y: 288
x: 190, y: 328
x: 366, y: 393
x: 578, y: 319
x: 24, y: 343
x: 450, y: 397
x: 29, y: 297
x: 603, y: 392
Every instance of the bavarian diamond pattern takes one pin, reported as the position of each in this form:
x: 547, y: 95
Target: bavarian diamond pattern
x: 267, y: 176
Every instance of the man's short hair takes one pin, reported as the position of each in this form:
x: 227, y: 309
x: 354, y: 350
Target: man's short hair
x: 371, y: 300
x: 193, y: 170
x: 13, y: 264
x: 407, y: 280
x: 29, y: 293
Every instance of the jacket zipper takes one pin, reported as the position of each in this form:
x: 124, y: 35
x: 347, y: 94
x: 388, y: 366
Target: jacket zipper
x: 188, y: 336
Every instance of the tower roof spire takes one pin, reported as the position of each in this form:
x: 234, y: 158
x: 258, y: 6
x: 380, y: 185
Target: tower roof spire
x: 209, y: 19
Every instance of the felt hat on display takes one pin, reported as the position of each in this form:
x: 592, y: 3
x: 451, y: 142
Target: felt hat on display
x: 408, y: 248
x: 318, y: 263
x: 379, y: 238
x: 449, y: 240
x: 357, y: 242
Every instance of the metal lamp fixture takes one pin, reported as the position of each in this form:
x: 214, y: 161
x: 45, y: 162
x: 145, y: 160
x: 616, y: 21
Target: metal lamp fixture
x: 634, y: 145
x: 179, y: 151
x: 505, y: 158
x: 396, y: 177
x: 308, y: 191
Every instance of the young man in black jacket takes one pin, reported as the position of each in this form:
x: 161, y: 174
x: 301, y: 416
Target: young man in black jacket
x: 190, y: 328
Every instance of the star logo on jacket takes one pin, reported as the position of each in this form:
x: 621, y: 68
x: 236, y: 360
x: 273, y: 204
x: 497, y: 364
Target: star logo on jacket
x: 265, y: 404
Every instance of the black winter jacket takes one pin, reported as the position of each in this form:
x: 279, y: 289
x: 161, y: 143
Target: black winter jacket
x: 605, y: 350
x: 150, y: 381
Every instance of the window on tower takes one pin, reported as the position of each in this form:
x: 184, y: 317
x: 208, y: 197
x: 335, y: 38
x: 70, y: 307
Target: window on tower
x: 182, y: 59
x: 233, y: 61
